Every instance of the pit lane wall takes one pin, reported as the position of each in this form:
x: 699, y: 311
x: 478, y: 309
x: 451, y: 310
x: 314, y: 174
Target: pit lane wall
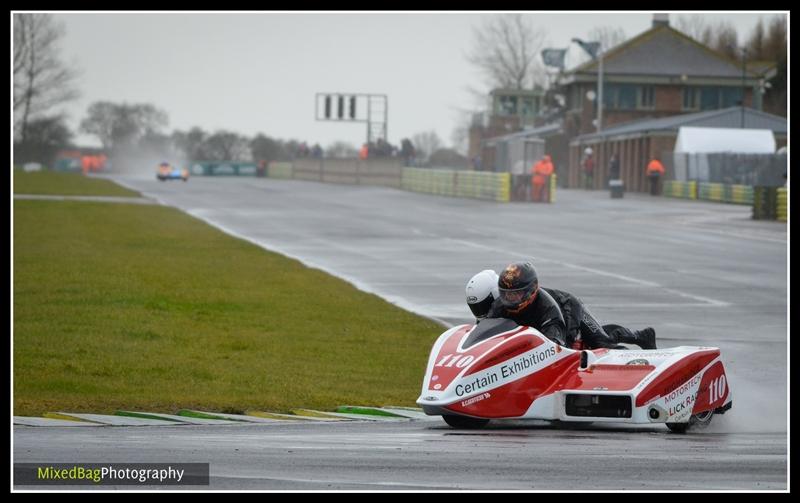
x: 380, y: 172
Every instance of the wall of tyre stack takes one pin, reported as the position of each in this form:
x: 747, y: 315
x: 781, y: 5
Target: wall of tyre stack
x: 717, y: 192
x: 770, y: 203
x: 458, y: 183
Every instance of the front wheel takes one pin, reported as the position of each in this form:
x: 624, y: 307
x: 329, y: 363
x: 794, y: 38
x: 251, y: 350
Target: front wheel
x: 465, y: 423
x: 696, y: 422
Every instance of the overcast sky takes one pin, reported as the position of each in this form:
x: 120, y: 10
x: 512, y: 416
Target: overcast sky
x: 259, y: 72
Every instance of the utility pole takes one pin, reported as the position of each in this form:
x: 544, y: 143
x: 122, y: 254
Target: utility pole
x: 595, y: 50
x: 600, y: 91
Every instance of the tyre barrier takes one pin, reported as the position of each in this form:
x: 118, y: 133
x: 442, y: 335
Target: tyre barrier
x: 770, y: 203
x: 457, y: 183
x: 724, y: 193
x: 682, y: 190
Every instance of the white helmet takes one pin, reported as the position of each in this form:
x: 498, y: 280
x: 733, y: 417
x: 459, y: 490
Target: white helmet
x: 588, y: 151
x: 481, y: 292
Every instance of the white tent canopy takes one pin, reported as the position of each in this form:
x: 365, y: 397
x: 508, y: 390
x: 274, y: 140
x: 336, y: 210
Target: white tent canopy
x: 690, y: 159
x: 696, y: 140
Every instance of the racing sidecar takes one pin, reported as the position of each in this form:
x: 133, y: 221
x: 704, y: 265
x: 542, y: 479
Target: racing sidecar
x: 499, y: 370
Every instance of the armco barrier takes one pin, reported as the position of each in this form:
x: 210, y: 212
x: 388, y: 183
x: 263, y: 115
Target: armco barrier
x: 458, y: 183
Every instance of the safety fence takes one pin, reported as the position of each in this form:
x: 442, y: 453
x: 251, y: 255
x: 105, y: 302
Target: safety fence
x: 770, y: 203
x: 457, y: 183
x: 728, y: 168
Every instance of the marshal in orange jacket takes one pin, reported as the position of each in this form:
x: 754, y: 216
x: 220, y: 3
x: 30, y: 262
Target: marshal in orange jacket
x: 655, y: 166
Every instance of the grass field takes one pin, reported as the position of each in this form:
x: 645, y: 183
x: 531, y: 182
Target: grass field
x: 66, y: 184
x: 145, y: 308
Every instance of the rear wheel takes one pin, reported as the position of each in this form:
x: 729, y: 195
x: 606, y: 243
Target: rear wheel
x: 696, y: 422
x: 465, y: 423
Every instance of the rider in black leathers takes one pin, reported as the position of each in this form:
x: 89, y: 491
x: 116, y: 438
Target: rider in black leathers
x: 559, y: 315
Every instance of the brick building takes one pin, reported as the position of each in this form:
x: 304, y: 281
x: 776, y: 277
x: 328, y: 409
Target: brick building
x: 658, y: 73
x: 636, y: 142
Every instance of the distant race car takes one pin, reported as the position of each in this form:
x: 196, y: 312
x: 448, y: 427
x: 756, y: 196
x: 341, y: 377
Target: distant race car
x: 168, y: 172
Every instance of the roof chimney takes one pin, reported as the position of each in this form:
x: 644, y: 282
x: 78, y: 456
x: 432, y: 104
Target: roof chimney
x: 660, y: 20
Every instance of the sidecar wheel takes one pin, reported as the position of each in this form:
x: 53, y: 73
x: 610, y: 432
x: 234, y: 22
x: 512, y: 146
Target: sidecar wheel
x: 696, y: 422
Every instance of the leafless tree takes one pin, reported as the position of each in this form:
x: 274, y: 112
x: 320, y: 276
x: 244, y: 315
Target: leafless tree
x: 505, y: 49
x: 264, y: 148
x: 696, y: 27
x: 720, y: 36
x: 608, y: 36
x: 191, y: 143
x: 426, y: 144
x: 764, y: 43
x: 117, y: 125
x: 41, y: 79
x: 228, y: 146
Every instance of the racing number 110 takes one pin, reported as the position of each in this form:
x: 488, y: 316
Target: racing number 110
x: 717, y: 389
x: 460, y: 361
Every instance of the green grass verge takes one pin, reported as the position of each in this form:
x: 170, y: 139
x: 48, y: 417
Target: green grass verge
x: 146, y: 308
x: 66, y: 184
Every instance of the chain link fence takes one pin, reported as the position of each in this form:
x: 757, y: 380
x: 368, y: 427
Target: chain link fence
x: 767, y: 170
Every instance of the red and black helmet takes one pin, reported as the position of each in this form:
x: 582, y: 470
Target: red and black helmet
x: 518, y: 285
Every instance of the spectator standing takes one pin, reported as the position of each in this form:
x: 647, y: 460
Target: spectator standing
x: 654, y: 172
x: 541, y: 176
x: 588, y: 168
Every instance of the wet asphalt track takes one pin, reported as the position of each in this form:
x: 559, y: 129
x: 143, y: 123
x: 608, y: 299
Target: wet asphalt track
x: 700, y: 273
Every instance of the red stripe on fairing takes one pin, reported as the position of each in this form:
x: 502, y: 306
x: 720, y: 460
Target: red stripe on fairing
x: 703, y: 401
x: 442, y: 376
x: 503, y: 352
x: 515, y: 398
x: 607, y: 377
x: 676, y: 374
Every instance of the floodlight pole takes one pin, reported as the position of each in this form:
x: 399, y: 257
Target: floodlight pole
x: 599, y: 56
